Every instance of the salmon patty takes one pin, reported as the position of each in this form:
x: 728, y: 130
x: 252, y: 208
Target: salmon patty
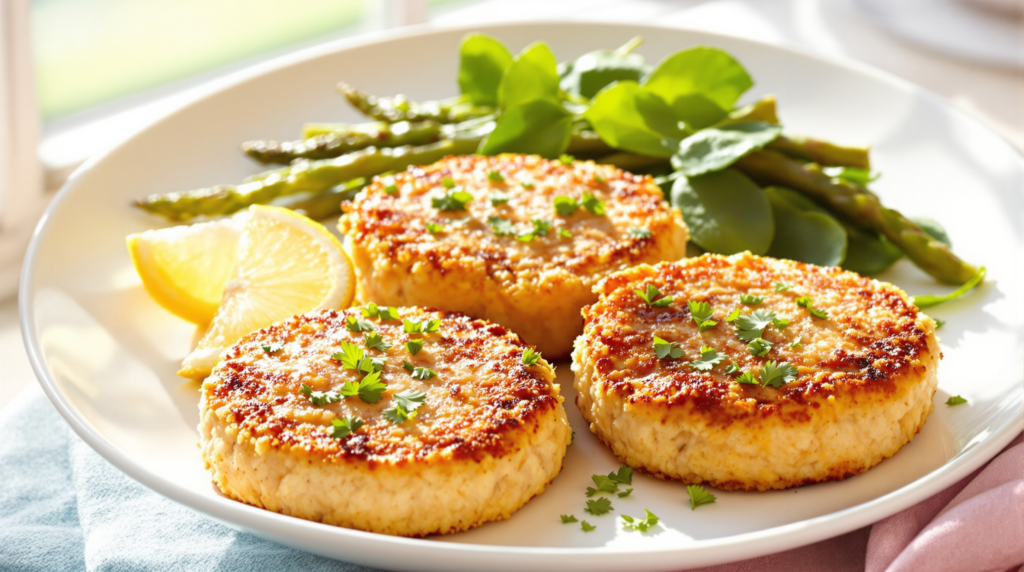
x: 753, y: 373
x: 515, y: 239
x: 407, y: 422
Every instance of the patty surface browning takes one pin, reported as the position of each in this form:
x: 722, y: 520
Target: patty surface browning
x: 491, y: 434
x: 535, y: 287
x: 867, y: 373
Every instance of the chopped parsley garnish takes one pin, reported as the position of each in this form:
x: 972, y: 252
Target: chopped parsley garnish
x: 760, y: 347
x: 665, y: 349
x: 747, y: 378
x: 350, y: 355
x: 389, y: 185
x: 384, y: 313
x: 460, y: 221
x: 448, y: 183
x: 564, y: 233
x: 700, y: 313
x: 593, y: 204
x: 586, y: 526
x: 376, y: 341
x: 320, y: 397
x: 419, y: 372
x: 423, y: 327
x: 733, y: 315
x: 567, y: 518
x: 928, y: 301
x: 566, y: 205
x: 452, y: 201
x: 413, y: 346
x: 501, y: 226
x: 750, y: 299
x: 651, y: 297
x: 698, y: 496
x: 497, y: 198
x: 626, y: 493
x: 540, y: 228
x: 805, y: 302
x: 603, y: 485
x: 776, y: 375
x: 273, y: 347
x: 354, y: 324
x: 340, y: 428
x: 640, y: 524
x: 939, y: 323
x: 623, y: 476
x: 405, y: 405
x: 782, y: 287
x: 599, y: 178
x: 527, y: 185
x: 495, y: 176
x: 796, y: 343
x: 599, y: 506
x: 639, y: 232
x: 531, y: 357
x: 433, y: 227
x: 955, y: 400
x: 732, y: 368
x: 708, y: 359
x: 369, y: 389
x: 566, y: 159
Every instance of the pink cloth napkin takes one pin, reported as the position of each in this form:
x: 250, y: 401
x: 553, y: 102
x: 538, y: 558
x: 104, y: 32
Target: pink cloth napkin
x: 976, y: 525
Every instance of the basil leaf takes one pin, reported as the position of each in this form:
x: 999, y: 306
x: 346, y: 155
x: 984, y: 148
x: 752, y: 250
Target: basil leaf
x: 700, y: 84
x: 630, y: 118
x: 725, y: 212
x: 714, y: 149
x: 803, y: 231
x: 593, y: 71
x: 482, y: 63
x: 533, y: 75
x: 540, y: 127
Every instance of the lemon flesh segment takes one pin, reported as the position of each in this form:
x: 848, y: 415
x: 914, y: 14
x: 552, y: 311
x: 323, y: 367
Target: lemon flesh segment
x: 287, y: 265
x: 185, y: 268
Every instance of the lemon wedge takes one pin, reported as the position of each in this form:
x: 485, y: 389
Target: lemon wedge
x: 286, y: 264
x: 185, y: 268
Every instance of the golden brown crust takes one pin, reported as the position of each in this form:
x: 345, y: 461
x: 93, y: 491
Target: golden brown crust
x: 481, y: 394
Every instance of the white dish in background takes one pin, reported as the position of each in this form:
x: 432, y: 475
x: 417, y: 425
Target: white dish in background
x: 106, y: 354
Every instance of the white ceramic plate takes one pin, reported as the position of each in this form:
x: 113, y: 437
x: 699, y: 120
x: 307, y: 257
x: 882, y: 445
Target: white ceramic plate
x: 106, y: 354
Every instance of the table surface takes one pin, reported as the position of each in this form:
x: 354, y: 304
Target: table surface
x: 831, y: 28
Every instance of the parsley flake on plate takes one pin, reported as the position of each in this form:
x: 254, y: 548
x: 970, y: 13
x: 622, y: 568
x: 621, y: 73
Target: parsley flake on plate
x: 708, y: 359
x: 732, y: 368
x: 566, y: 205
x: 448, y: 183
x: 405, y: 405
x: 527, y: 185
x: 350, y: 355
x: 452, y: 200
x: 495, y: 177
x: 530, y: 357
x: 340, y: 428
x: 665, y: 349
x: 593, y: 204
x: 805, y: 302
x: 747, y: 378
x: 567, y: 518
x: 651, y: 296
x: 369, y: 389
x: 796, y: 343
x: 389, y: 185
x: 939, y: 323
x: 497, y: 198
x: 602, y: 484
x: 782, y: 287
x: 500, y: 226
x: 599, y: 506
x: 422, y: 327
x: 376, y: 341
x: 751, y: 299
x: 640, y: 524
x: 700, y: 313
x: 698, y: 496
x: 777, y: 374
x: 733, y: 316
x: 564, y: 233
x: 413, y: 346
x: 640, y: 232
x: 319, y: 397
x: 598, y: 177
x: 566, y: 159
x: 384, y: 313
x: 272, y: 348
x: 955, y: 400
x: 586, y: 526
x: 625, y: 494
x: 418, y: 372
x: 760, y: 347
x: 433, y: 227
x: 354, y: 324
x: 623, y: 476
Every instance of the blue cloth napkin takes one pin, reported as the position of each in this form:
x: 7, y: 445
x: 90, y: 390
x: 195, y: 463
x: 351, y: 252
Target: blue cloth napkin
x: 63, y: 507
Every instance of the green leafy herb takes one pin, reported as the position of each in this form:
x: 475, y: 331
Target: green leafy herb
x: 955, y: 400
x: 320, y: 397
x: 625, y: 493
x: 530, y: 357
x: 447, y: 183
x: 700, y: 84
x: 350, y: 355
x: 413, y: 346
x: 664, y: 349
x: 725, y: 212
x: 566, y: 159
x: 700, y: 313
x: 376, y: 341
x: 708, y: 359
x: 419, y: 372
x: 527, y: 185
x: 782, y: 287
x: 564, y: 233
x: 750, y: 299
x: 805, y: 302
x: 641, y: 524
x: 796, y: 343
x: 384, y: 313
x: 732, y: 368
x: 532, y: 75
x: 369, y: 389
x: 497, y: 198
x: 389, y: 185
x: 929, y: 301
x: 586, y: 526
x: 272, y: 348
x: 567, y: 518
x: 603, y: 484
x: 777, y: 374
x: 747, y: 378
x: 698, y: 496
x: 631, y: 118
x: 495, y: 176
x: 566, y: 205
x: 640, y: 232
x: 939, y: 323
x: 354, y: 324
x: 760, y: 347
x: 482, y: 63
x: 452, y: 200
x: 405, y: 405
x: 421, y: 327
x: 623, y: 476
x: 804, y: 231
x: 599, y: 506
x: 593, y: 71
x: 751, y: 326
x: 340, y: 428
x: 716, y: 148
x: 593, y: 204
x: 540, y: 126
x: 599, y: 178
x: 433, y: 227
x: 733, y: 316
x: 501, y: 226
x: 651, y: 296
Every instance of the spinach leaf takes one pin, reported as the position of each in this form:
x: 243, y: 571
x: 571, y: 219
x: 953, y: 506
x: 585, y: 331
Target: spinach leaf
x: 700, y: 84
x: 803, y: 230
x: 868, y: 252
x: 532, y: 75
x: 714, y: 149
x: 725, y: 212
x: 482, y: 63
x: 933, y: 228
x: 539, y: 127
x: 593, y: 71
x: 630, y: 118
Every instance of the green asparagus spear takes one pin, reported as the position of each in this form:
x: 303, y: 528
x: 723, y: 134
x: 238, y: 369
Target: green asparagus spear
x: 861, y: 207
x: 821, y: 152
x: 761, y: 110
x: 327, y: 204
x: 399, y: 108
x: 341, y: 142
x: 303, y: 176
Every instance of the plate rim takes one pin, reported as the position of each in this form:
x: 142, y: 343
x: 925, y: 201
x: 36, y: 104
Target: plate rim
x: 272, y: 525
